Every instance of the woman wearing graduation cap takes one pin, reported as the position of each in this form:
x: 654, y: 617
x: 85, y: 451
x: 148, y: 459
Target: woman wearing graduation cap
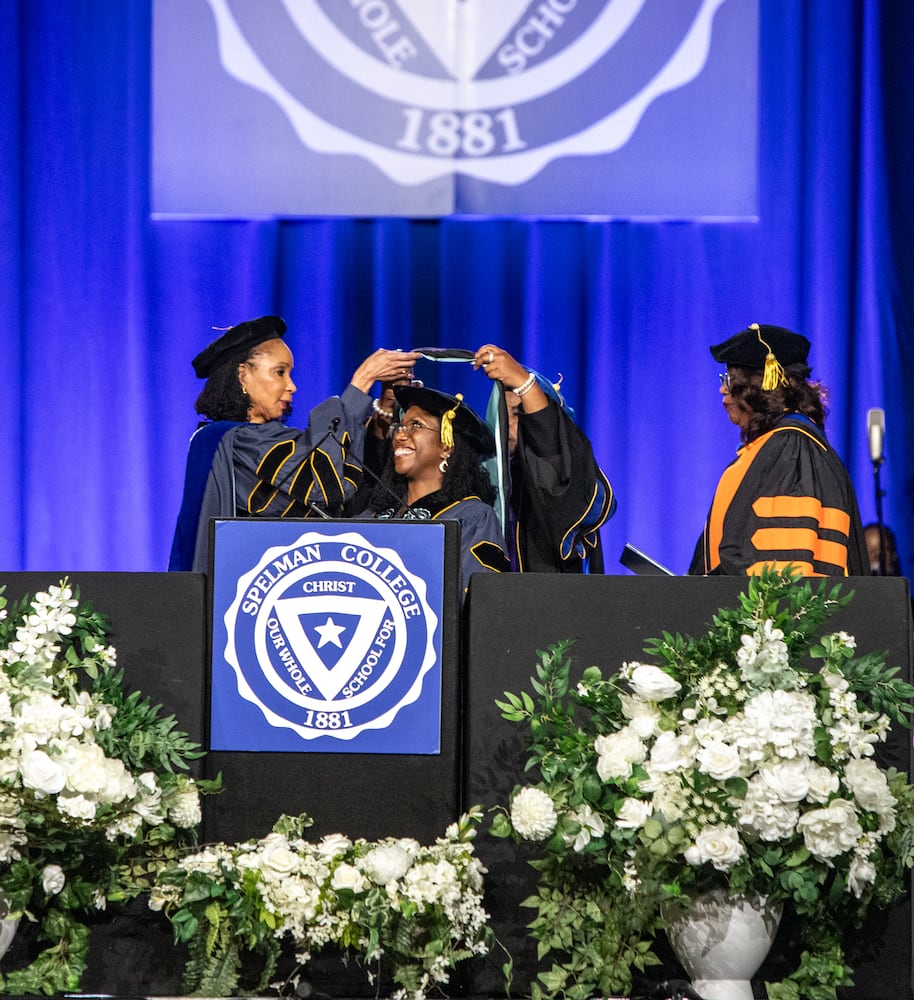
x: 787, y: 497
x: 436, y: 473
x: 244, y: 460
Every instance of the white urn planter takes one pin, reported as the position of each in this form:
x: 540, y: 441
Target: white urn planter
x: 8, y: 927
x: 722, y: 941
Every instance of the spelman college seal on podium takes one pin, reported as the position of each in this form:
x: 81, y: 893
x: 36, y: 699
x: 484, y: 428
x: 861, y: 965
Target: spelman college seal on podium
x: 329, y: 639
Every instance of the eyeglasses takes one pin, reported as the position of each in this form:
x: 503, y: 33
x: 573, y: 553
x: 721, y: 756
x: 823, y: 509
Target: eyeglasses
x: 411, y: 427
x: 725, y: 380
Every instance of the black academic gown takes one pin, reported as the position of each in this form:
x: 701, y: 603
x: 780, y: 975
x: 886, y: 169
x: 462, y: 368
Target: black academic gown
x: 559, y: 496
x: 786, y: 499
x: 482, y: 543
x: 270, y: 470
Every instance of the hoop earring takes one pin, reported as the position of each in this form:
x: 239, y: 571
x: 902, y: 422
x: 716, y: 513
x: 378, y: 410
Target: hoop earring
x: 442, y: 466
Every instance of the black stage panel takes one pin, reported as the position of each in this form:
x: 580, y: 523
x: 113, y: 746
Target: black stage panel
x: 611, y: 617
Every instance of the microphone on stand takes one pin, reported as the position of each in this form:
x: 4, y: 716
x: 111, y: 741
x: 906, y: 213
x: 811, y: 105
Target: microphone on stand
x: 875, y: 429
x: 330, y: 432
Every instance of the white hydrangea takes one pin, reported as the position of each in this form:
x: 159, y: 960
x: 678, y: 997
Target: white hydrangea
x: 767, y: 815
x: 776, y: 724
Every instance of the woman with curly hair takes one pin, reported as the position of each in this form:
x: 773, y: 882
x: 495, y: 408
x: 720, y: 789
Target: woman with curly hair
x: 436, y: 471
x: 787, y: 498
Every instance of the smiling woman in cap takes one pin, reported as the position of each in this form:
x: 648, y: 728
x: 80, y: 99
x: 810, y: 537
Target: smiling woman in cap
x: 244, y: 460
x: 787, y: 499
x: 436, y: 473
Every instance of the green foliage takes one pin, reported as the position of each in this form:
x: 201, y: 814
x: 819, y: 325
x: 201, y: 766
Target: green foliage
x: 416, y: 909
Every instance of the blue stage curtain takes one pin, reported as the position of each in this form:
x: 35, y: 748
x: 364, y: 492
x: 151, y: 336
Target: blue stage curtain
x: 102, y: 307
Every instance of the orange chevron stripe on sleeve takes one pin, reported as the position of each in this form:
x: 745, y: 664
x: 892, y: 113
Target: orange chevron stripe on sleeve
x: 829, y: 518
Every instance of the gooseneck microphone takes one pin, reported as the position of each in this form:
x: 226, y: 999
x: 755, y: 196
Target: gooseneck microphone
x: 400, y: 502
x: 329, y: 433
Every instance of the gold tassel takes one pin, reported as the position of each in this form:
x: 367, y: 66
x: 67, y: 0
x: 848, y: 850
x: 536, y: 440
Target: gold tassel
x: 774, y: 374
x: 558, y: 385
x: 447, y: 423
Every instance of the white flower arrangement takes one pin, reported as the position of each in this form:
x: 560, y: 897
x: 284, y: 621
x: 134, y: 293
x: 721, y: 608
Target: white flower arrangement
x: 733, y: 764
x: 412, y: 910
x: 91, y: 800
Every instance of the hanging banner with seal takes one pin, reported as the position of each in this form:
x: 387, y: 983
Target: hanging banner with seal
x: 438, y: 107
x: 327, y: 638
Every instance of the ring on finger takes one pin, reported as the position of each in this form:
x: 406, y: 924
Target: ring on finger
x: 491, y: 357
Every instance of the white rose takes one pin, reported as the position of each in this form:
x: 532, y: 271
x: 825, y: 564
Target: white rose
x: 618, y: 752
x: 533, y: 814
x: 333, y: 845
x: 277, y: 860
x: 869, y: 785
x: 41, y: 773
x: 720, y: 845
x: 119, y: 785
x: 823, y: 783
x: 348, y: 877
x: 386, y: 863
x: 788, y: 779
x: 652, y: 683
x: 633, y: 813
x: 85, y: 767
x: 53, y: 879
x: 719, y: 760
x: 408, y: 844
x: 667, y: 754
x: 830, y: 831
x: 77, y: 806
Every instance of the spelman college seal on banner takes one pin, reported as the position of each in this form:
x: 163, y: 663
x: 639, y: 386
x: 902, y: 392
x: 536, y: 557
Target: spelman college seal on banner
x: 467, y: 98
x: 331, y: 636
